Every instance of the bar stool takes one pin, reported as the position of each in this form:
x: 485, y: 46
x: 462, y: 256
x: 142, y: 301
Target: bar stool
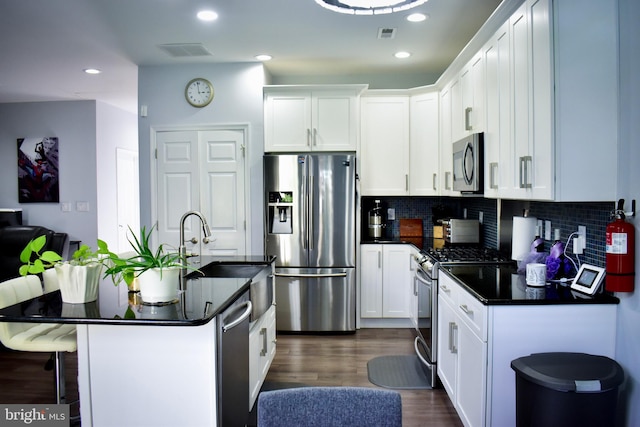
x: 36, y: 337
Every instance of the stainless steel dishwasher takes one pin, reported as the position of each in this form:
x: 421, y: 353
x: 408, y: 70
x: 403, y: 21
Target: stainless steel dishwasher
x: 233, y: 363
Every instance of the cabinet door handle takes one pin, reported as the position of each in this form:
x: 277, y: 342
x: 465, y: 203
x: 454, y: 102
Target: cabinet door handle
x: 493, y: 167
x: 308, y: 137
x: 525, y: 163
x: 447, y: 176
x: 435, y: 177
x: 379, y: 260
x: 264, y: 350
x: 406, y: 182
x: 467, y: 119
x: 315, y: 136
x: 452, y: 336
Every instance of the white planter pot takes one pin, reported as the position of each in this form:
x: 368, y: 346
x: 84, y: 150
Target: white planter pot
x: 159, y: 285
x: 78, y: 283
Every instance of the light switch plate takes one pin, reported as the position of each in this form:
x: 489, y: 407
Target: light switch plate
x: 82, y: 206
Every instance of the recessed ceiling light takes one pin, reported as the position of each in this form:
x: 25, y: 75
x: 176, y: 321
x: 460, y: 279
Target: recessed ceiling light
x: 402, y: 55
x: 263, y: 57
x: 417, y: 17
x: 92, y: 71
x: 207, y: 15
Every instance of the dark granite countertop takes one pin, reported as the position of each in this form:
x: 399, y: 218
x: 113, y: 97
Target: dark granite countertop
x: 200, y: 301
x: 501, y: 285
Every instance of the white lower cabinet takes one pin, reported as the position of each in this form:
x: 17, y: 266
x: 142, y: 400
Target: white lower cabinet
x: 262, y: 350
x: 476, y: 344
x: 462, y: 351
x: 386, y: 281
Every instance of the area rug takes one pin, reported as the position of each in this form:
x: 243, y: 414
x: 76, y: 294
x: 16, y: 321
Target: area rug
x: 399, y: 372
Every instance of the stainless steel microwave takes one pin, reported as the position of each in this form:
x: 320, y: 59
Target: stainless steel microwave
x: 468, y: 160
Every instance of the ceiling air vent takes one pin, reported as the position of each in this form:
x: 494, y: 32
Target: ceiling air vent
x: 386, y: 33
x: 179, y: 50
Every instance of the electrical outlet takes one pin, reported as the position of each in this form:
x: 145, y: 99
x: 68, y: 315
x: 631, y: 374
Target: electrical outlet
x: 547, y: 230
x: 391, y: 214
x: 582, y: 231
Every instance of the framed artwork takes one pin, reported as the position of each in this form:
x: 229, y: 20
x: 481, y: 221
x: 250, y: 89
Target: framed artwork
x: 38, y: 170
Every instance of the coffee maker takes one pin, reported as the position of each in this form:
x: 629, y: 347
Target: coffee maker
x: 376, y: 221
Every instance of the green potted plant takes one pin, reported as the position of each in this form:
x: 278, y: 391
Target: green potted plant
x: 77, y: 279
x: 156, y: 271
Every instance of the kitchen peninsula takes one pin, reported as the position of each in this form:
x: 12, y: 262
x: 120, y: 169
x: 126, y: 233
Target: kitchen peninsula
x: 161, y: 365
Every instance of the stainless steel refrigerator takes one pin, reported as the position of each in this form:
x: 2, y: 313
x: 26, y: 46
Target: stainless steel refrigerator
x: 310, y: 228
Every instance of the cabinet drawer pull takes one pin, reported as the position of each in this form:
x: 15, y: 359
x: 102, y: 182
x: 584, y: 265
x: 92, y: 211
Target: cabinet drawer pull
x: 466, y: 310
x: 445, y: 289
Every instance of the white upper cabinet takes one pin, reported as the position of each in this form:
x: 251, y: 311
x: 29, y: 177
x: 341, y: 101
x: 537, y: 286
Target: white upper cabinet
x: 445, y: 181
x: 384, y: 153
x: 497, y: 137
x: 551, y: 127
x: 424, y: 152
x: 300, y: 119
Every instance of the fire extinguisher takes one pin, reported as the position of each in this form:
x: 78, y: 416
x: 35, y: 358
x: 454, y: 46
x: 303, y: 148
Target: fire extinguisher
x: 620, y: 250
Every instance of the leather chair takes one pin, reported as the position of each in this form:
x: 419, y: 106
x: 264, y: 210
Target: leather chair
x: 330, y: 406
x: 36, y: 337
x: 14, y: 238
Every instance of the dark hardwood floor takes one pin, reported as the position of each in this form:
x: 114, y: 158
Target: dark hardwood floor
x: 24, y: 380
x: 312, y: 360
x: 341, y: 360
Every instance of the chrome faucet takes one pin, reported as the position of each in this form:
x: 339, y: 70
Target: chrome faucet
x: 182, y: 249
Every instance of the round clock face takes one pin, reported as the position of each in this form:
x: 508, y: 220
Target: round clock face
x: 199, y: 92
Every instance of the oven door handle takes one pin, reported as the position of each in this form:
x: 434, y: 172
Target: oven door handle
x: 422, y: 359
x: 420, y: 276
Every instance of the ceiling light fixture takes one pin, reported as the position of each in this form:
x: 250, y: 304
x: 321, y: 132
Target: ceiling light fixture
x: 402, y: 55
x: 207, y: 15
x: 92, y: 71
x: 263, y: 57
x: 369, y: 7
x: 417, y: 17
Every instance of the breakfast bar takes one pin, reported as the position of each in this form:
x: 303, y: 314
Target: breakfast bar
x: 161, y: 365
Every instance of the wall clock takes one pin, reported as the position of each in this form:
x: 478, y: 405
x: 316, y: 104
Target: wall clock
x: 199, y: 92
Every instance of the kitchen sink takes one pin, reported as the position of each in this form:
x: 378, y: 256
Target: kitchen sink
x: 228, y: 270
x: 261, y: 287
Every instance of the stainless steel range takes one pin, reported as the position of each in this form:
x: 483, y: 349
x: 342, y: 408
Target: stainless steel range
x: 426, y: 288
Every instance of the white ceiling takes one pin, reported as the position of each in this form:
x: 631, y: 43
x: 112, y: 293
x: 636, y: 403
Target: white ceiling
x: 45, y: 44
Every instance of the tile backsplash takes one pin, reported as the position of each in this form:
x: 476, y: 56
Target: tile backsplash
x: 497, y: 218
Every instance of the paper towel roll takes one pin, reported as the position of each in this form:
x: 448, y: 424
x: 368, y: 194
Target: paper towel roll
x: 524, y: 231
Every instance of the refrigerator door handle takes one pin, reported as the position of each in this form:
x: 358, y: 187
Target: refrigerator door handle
x: 309, y: 275
x: 304, y: 223
x: 310, y: 215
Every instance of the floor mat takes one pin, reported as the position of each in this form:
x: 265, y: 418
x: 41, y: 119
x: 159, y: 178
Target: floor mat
x: 401, y: 372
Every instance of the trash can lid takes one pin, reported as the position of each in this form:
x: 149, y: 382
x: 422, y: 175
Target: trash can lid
x: 578, y: 372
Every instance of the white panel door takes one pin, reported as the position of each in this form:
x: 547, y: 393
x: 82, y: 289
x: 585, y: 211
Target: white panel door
x: 178, y: 183
x: 202, y: 171
x: 222, y: 190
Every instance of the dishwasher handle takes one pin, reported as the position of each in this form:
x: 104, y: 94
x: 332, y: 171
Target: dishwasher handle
x: 305, y: 275
x: 245, y: 314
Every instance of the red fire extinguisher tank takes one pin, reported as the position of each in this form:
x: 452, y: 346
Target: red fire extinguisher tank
x: 620, y: 253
